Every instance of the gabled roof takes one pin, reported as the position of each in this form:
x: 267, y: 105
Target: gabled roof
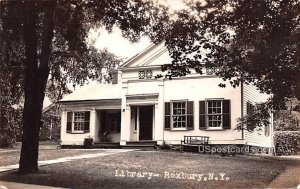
x: 154, y: 55
x: 45, y: 109
x: 95, y: 91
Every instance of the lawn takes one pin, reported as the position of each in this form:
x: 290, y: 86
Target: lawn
x: 10, y: 157
x: 158, y: 169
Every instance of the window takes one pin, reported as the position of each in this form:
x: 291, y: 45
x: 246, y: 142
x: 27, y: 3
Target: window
x: 179, y: 115
x: 250, y: 108
x: 214, y: 114
x: 141, y: 74
x: 267, y: 130
x: 114, y: 122
x: 212, y: 70
x: 148, y: 74
x: 78, y: 122
x: 145, y: 74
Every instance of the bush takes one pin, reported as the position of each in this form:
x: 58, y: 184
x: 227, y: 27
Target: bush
x: 287, y: 142
x: 88, y: 142
x: 10, y: 126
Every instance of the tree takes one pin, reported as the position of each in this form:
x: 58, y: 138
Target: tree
x: 254, y: 41
x: 250, y: 41
x: 52, y: 32
x: 11, y: 80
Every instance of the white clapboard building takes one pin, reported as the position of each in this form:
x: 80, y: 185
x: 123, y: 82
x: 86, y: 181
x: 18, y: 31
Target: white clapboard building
x: 138, y: 108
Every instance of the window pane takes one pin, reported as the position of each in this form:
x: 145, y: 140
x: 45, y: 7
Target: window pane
x: 214, y: 113
x: 179, y: 114
x: 79, y: 121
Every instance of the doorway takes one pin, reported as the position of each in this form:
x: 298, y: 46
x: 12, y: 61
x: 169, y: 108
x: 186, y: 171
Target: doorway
x: 146, y: 122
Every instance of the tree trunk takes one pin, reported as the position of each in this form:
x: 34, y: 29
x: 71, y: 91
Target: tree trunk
x: 36, y: 76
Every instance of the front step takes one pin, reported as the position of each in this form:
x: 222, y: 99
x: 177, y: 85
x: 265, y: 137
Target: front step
x: 147, y: 144
x: 106, y: 145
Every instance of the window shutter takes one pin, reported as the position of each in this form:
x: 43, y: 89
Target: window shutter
x: 87, y: 121
x: 190, y: 115
x: 250, y: 108
x: 226, y: 114
x: 167, y: 116
x: 202, y: 117
x: 69, y: 121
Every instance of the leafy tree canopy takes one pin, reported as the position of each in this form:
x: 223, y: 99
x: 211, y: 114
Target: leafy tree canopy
x: 51, y: 38
x: 256, y: 41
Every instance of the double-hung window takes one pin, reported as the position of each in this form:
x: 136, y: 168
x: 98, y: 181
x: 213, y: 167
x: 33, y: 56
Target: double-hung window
x: 214, y: 114
x: 78, y: 122
x: 179, y: 115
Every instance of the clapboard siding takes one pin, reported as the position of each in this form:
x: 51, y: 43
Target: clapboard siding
x: 257, y: 138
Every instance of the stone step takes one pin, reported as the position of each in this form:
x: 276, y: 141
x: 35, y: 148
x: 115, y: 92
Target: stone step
x: 106, y: 145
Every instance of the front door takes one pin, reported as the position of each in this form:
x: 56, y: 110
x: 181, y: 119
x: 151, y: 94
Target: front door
x: 146, y: 122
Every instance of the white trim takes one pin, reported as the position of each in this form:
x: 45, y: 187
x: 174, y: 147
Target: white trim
x: 212, y: 114
x: 153, y: 121
x: 215, y: 129
x: 171, y: 116
x: 137, y: 55
x: 138, y: 123
x: 73, y: 121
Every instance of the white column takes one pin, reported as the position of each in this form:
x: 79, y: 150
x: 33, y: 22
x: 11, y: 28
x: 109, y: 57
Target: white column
x: 128, y: 122
x: 124, y: 126
x: 159, y: 115
x: 93, y: 124
x: 63, y: 126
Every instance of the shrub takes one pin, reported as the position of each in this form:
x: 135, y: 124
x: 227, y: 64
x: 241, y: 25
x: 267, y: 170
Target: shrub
x: 287, y: 142
x: 88, y: 142
x: 10, y: 126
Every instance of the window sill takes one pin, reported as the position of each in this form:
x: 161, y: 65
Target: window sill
x: 77, y: 132
x: 179, y: 129
x: 214, y: 129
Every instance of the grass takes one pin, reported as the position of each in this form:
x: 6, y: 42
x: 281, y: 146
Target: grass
x: 11, y: 156
x: 242, y: 171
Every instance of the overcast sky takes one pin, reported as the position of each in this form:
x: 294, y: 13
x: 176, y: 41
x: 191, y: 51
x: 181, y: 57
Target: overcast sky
x: 120, y: 46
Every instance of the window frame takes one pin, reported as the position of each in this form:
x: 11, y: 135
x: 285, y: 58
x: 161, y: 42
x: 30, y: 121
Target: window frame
x: 80, y: 122
x: 250, y: 108
x: 189, y: 114
x: 182, y: 115
x: 214, y: 114
x: 225, y: 118
x: 267, y: 130
x: 73, y: 131
x: 145, y: 74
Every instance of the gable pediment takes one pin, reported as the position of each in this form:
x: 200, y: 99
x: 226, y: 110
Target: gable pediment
x: 154, y: 55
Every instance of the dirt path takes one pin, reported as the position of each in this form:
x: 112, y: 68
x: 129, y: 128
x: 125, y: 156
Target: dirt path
x: 290, y: 178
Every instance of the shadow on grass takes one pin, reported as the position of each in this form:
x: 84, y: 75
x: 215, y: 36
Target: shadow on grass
x: 100, y: 172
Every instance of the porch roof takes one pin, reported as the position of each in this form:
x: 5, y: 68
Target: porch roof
x: 95, y: 91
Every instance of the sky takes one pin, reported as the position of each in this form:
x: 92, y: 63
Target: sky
x: 121, y: 47
x: 115, y: 43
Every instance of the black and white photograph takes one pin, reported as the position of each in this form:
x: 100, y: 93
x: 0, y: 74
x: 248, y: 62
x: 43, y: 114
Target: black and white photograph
x: 149, y: 94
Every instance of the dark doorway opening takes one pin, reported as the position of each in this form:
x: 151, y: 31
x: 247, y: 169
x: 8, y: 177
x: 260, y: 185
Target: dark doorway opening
x: 146, y: 122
